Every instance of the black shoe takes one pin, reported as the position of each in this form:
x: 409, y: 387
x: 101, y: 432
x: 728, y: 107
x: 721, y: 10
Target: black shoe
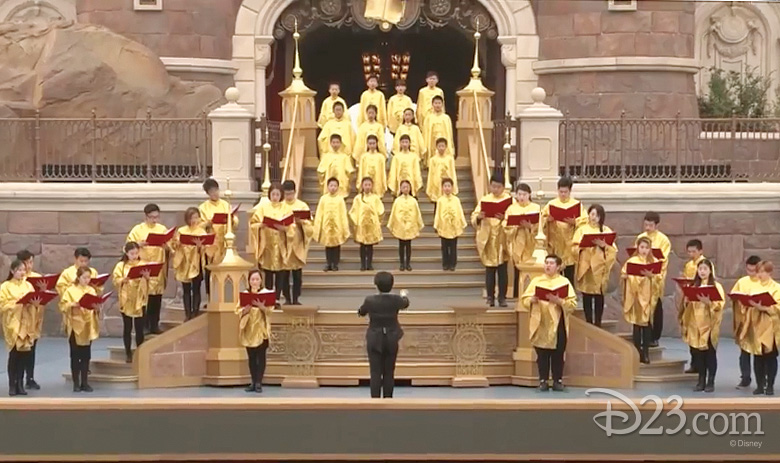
x: 691, y: 369
x: 362, y: 268
x: 259, y: 389
x: 370, y: 268
x: 86, y: 388
x: 654, y: 343
x: 502, y: 303
x: 11, y: 389
x: 759, y: 391
x: 745, y: 382
x: 76, y: 387
x: 335, y: 268
x: 770, y: 390
x: 408, y: 268
x: 699, y: 386
x: 402, y: 268
x: 709, y: 388
x: 129, y: 359
x: 251, y: 388
x: 558, y: 386
x: 295, y: 302
x: 20, y: 388
x: 544, y: 386
x: 32, y: 385
x: 326, y: 268
x: 156, y: 330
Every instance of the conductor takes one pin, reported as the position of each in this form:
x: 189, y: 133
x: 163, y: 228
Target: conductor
x: 383, y: 333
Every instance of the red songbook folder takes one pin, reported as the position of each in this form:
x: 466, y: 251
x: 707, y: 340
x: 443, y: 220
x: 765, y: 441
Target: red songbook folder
x: 267, y: 299
x: 99, y: 280
x: 491, y: 209
x: 91, y: 302
x: 273, y: 223
x: 637, y: 269
x: 194, y: 240
x: 160, y: 239
x: 220, y: 218
x: 692, y: 293
x: 683, y: 282
x: 153, y: 268
x: 302, y: 215
x: 763, y: 299
x: 543, y: 293
x: 45, y: 282
x: 657, y: 253
x: 518, y: 220
x: 37, y: 297
x: 588, y: 240
x: 562, y: 215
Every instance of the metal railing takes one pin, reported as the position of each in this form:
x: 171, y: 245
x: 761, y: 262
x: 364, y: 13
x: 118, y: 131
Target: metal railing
x: 500, y: 127
x: 104, y: 150
x: 670, y: 150
x: 273, y: 129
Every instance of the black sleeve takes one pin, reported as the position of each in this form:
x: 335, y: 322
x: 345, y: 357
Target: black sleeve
x: 403, y: 302
x: 363, y: 310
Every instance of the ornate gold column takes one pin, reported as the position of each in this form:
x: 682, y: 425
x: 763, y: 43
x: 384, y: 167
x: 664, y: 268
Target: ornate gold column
x: 299, y: 123
x: 301, y: 346
x: 469, y: 347
x: 226, y: 361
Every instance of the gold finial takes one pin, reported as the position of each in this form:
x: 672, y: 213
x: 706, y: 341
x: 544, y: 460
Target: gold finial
x: 507, y: 149
x: 266, y: 164
x: 230, y: 237
x: 475, y: 70
x: 297, y: 70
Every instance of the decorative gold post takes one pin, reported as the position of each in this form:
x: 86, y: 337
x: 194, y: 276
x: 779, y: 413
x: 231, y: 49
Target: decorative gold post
x: 266, y: 164
x: 507, y: 149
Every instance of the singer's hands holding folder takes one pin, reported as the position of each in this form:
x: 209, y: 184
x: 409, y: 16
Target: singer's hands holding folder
x: 704, y: 299
x: 647, y: 273
x: 600, y: 243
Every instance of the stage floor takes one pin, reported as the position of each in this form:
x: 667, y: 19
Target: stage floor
x: 52, y: 362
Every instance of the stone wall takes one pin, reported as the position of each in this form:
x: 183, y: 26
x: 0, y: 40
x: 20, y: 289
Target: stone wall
x: 574, y: 29
x: 184, y: 28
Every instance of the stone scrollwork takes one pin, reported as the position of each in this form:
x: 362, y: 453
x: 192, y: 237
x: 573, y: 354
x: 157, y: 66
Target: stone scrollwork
x: 301, y: 345
x: 463, y: 14
x: 469, y: 347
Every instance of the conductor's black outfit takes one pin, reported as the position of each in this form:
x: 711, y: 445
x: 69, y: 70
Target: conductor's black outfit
x: 382, y: 337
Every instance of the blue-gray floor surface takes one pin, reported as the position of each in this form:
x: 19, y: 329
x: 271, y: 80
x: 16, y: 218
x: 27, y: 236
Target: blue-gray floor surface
x: 52, y: 361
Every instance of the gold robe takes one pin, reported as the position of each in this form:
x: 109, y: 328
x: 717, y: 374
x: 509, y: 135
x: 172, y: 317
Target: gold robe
x: 425, y: 102
x: 335, y: 164
x: 593, y: 264
x: 702, y: 323
x: 372, y: 164
x: 331, y: 223
x: 405, y: 222
x: 521, y: 241
x: 255, y: 327
x: 298, y: 247
x: 366, y: 215
x: 745, y: 286
x: 207, y: 209
x: 417, y: 144
x: 342, y: 127
x: 361, y: 140
x: 405, y: 165
x: 449, y: 220
x: 545, y: 316
x: 37, y: 312
x: 560, y: 234
x: 156, y: 254
x: 80, y: 322
x: 396, y: 106
x: 491, y: 239
x: 18, y: 320
x: 761, y: 330
x: 659, y: 241
x: 270, y: 246
x: 376, y: 98
x: 439, y: 167
x: 326, y: 110
x: 640, y: 294
x: 187, y: 259
x: 689, y: 271
x: 437, y: 125
x: 134, y: 293
x: 68, y: 278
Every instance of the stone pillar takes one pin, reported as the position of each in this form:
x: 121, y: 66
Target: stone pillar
x: 509, y: 60
x: 539, y: 126
x: 262, y: 60
x: 232, y: 147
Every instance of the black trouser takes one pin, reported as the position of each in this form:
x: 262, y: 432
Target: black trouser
x: 765, y: 368
x: 257, y: 360
x: 191, y: 296
x: 333, y: 256
x: 381, y: 364
x: 297, y: 285
x: 276, y: 281
x: 744, y: 365
x: 594, y: 307
x: 490, y: 282
x: 30, y: 367
x: 658, y: 320
x: 366, y: 256
x: 79, y: 361
x: 449, y: 253
x: 552, y: 359
x: 643, y: 336
x: 568, y: 272
x: 153, y: 307
x: 706, y: 363
x: 207, y: 280
x: 405, y: 253
x: 128, y: 323
x: 17, y: 363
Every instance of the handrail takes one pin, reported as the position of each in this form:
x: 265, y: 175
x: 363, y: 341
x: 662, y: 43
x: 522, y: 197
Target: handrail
x: 482, y: 136
x: 287, y: 156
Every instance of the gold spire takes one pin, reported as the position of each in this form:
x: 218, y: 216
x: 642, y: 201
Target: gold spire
x: 475, y: 70
x: 297, y: 85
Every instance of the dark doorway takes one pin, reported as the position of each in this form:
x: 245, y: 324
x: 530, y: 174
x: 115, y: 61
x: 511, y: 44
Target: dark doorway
x: 331, y: 54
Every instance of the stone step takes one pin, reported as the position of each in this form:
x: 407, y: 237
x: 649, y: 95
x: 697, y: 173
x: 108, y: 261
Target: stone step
x: 402, y: 279
x: 426, y: 207
x: 117, y: 353
x: 668, y: 378
x: 388, y: 248
x: 469, y: 290
x: 111, y: 367
x: 391, y: 263
x: 425, y: 239
x: 107, y: 380
x: 662, y: 367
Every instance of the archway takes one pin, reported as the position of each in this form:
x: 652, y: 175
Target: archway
x: 37, y: 10
x: 261, y: 59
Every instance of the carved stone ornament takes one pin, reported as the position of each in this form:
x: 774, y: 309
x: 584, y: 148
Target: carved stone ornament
x: 432, y: 14
x: 734, y: 33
